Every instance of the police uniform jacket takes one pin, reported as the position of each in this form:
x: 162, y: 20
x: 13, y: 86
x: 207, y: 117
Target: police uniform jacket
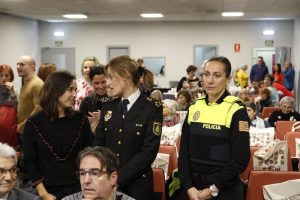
x: 215, y: 143
x: 135, y: 139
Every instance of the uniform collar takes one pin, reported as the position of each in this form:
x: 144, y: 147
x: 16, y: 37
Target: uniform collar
x: 220, y: 100
x: 132, y: 98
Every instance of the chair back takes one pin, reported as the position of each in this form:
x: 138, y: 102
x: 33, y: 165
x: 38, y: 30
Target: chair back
x: 171, y: 150
x: 159, y: 182
x: 258, y: 179
x: 267, y: 111
x: 290, y: 138
x: 281, y: 128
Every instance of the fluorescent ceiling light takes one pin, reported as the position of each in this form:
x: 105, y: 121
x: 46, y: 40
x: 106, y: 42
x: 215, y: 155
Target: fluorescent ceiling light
x: 75, y: 16
x: 232, y: 14
x: 269, y: 32
x: 59, y: 33
x: 152, y: 15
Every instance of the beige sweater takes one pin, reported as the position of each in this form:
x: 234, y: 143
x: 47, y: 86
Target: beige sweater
x: 29, y: 99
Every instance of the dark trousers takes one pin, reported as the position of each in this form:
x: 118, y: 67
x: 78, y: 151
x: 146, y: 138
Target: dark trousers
x: 235, y: 191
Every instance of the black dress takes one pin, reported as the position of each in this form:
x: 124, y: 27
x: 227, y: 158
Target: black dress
x: 51, y: 149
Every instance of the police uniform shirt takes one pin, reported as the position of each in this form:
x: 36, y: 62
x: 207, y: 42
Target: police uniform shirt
x: 135, y: 138
x: 214, y: 143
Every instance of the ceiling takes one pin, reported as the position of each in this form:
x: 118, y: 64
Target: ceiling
x: 130, y: 10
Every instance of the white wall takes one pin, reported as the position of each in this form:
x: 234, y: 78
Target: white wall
x: 174, y: 40
x: 18, y: 37
x: 296, y: 60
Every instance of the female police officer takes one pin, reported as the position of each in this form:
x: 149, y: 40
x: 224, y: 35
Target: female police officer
x: 215, y: 139
x: 131, y: 126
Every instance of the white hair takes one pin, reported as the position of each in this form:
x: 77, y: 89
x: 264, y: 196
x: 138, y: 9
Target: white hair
x: 171, y: 104
x: 7, y: 151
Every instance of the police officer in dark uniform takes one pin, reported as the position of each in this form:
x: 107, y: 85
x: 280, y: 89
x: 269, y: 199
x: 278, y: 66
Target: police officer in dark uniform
x: 215, y: 139
x: 131, y: 126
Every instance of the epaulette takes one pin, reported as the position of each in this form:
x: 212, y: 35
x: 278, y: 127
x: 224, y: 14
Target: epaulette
x: 157, y: 103
x: 108, y: 99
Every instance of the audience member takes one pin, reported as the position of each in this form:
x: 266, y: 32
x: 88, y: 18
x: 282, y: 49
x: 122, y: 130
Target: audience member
x: 259, y: 70
x: 268, y: 81
x: 244, y: 95
x: 190, y: 82
x: 45, y: 70
x: 278, y: 76
x: 8, y: 176
x: 184, y: 100
x: 289, y: 76
x: 156, y: 94
x: 286, y: 112
x: 140, y: 62
x: 91, y: 105
x: 53, y: 137
x: 131, y: 126
x: 214, y: 146
x: 282, y: 91
x: 8, y: 107
x: 254, y: 89
x: 242, y: 76
x: 264, y: 99
x: 98, y: 175
x: 256, y: 121
x: 169, y: 110
x: 84, y: 87
x: 235, y: 77
x: 30, y: 90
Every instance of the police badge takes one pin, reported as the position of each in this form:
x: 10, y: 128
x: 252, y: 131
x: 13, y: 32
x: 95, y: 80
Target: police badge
x: 196, y: 115
x: 108, y: 115
x: 157, y: 128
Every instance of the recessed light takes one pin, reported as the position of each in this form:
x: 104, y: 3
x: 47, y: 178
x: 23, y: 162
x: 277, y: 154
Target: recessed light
x: 152, y: 15
x: 269, y: 32
x: 232, y: 14
x: 75, y: 16
x: 59, y: 33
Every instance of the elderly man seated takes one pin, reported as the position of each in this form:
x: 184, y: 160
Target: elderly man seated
x: 98, y: 175
x: 8, y: 176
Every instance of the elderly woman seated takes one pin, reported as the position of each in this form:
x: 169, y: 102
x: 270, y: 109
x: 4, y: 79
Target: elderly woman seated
x: 286, y: 112
x: 169, y: 110
x: 156, y: 94
x: 256, y: 121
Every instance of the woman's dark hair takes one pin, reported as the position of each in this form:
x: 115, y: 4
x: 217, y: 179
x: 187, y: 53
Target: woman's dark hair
x: 191, y: 68
x: 55, y: 85
x: 123, y: 65
x: 279, y: 67
x: 186, y: 95
x: 271, y: 77
x: 224, y: 61
x: 106, y: 157
x: 97, y: 70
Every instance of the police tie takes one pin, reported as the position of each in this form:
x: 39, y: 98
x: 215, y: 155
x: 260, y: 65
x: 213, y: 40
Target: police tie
x: 124, y: 106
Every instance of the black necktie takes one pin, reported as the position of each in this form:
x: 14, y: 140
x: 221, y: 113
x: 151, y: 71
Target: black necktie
x: 124, y: 106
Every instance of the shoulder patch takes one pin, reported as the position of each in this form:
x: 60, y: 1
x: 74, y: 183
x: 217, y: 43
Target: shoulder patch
x: 108, y: 99
x: 155, y: 102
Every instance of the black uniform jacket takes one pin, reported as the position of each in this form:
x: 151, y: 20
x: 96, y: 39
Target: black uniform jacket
x: 135, y: 139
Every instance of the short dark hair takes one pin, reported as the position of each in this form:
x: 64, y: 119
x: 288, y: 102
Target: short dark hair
x: 106, y: 157
x: 191, y: 68
x: 55, y: 85
x: 224, y: 61
x: 97, y: 70
x: 251, y: 105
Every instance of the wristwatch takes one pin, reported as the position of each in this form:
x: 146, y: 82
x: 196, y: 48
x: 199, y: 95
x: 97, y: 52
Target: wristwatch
x: 213, y: 190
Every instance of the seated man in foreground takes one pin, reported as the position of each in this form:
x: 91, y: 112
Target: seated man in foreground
x: 98, y: 175
x: 8, y: 176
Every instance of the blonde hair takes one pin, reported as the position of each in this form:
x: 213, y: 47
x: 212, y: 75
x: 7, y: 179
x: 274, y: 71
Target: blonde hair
x: 123, y: 65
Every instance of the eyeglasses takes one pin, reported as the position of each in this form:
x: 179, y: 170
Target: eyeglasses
x: 93, y: 173
x: 13, y: 171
